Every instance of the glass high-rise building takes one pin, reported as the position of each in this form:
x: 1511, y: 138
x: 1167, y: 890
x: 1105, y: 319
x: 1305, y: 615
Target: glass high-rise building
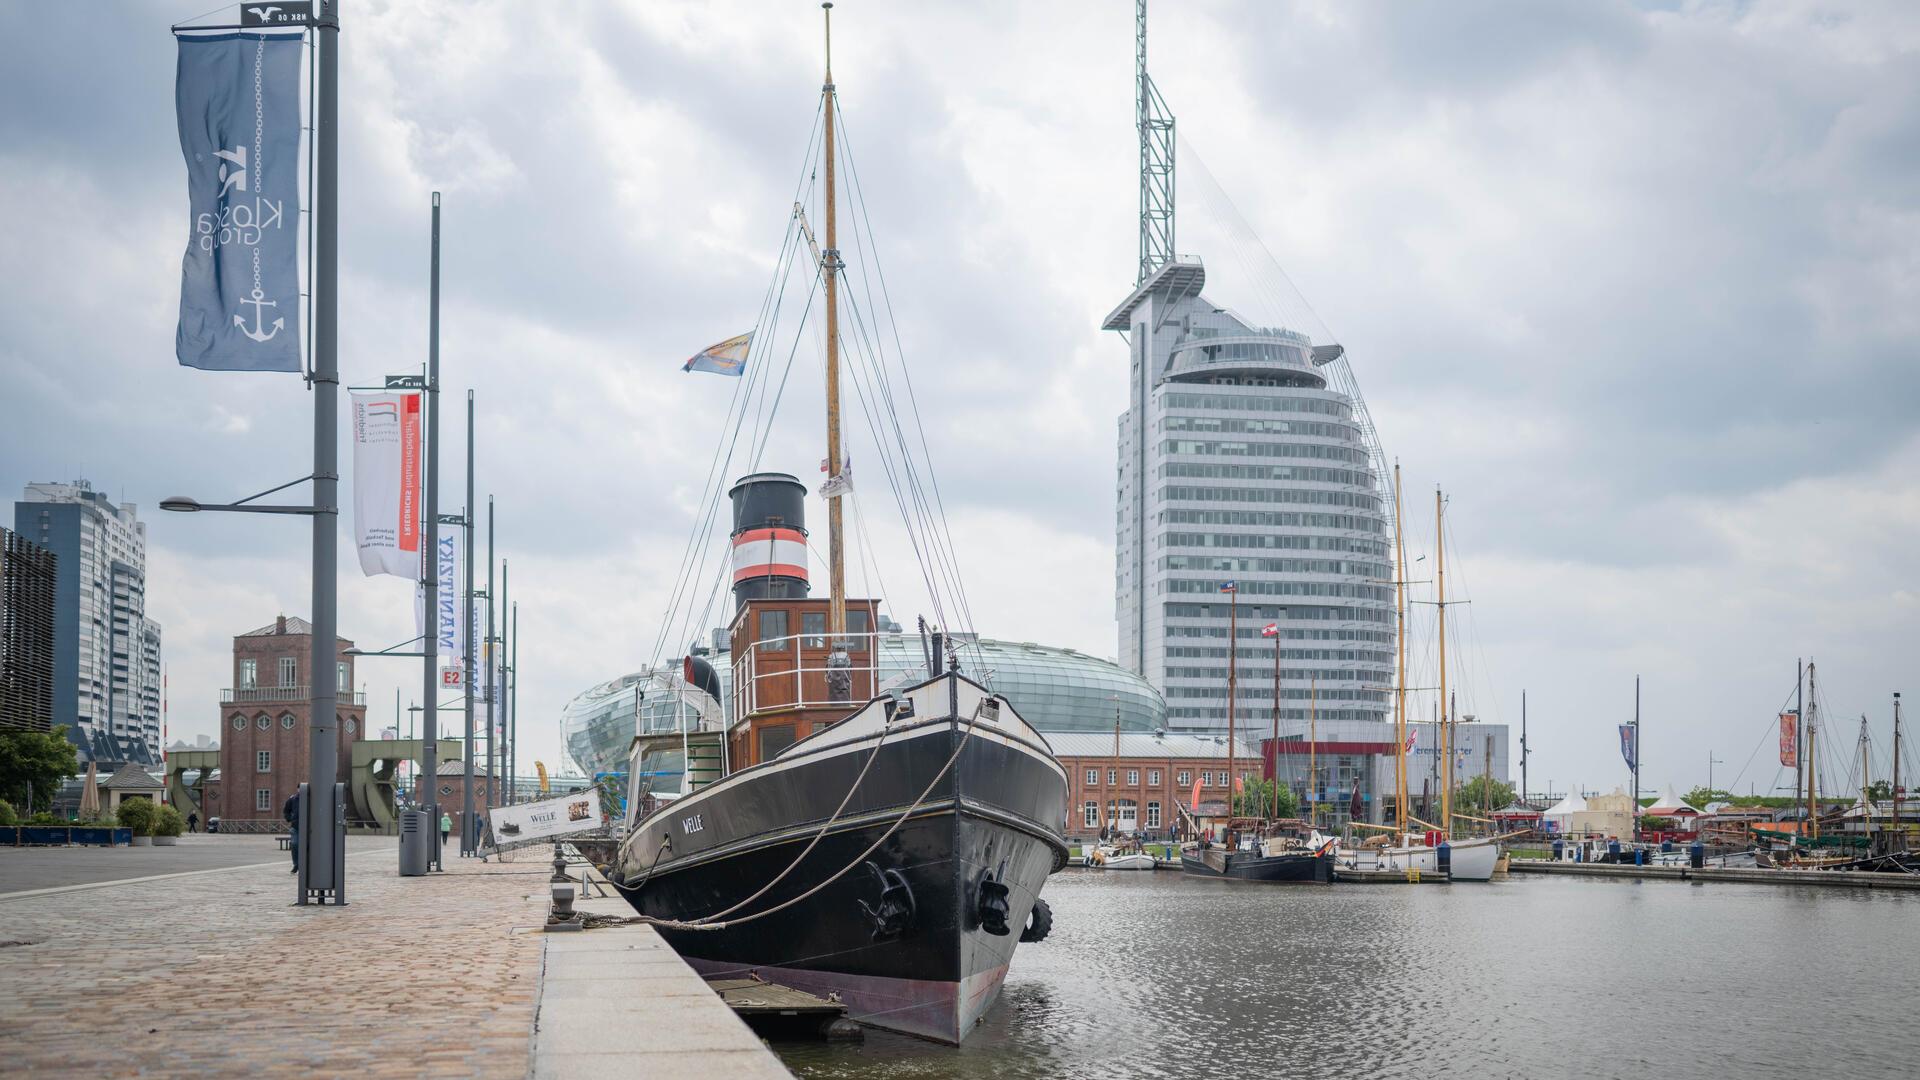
x: 1240, y: 462
x: 106, y: 651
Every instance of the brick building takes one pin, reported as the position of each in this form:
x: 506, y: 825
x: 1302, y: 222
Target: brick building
x: 451, y: 791
x: 264, y: 717
x: 1152, y: 774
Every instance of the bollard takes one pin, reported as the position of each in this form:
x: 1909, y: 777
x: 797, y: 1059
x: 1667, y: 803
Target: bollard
x: 559, y: 864
x: 562, y: 916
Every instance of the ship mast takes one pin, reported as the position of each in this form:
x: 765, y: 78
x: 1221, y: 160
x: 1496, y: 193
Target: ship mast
x: 1898, y: 827
x: 1446, y: 722
x: 830, y: 275
x: 1400, y: 657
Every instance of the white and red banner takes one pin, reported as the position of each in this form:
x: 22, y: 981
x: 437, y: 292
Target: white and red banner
x: 386, y: 483
x: 449, y: 628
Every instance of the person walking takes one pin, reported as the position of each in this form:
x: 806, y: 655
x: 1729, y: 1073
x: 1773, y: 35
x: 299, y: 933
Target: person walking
x: 291, y: 813
x: 446, y: 829
x: 193, y: 822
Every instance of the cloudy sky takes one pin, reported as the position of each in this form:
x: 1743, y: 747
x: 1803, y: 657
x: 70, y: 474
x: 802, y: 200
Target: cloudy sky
x: 1637, y: 283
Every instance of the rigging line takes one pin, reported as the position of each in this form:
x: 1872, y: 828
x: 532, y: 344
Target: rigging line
x: 728, y: 439
x: 884, y: 448
x: 704, y: 544
x: 729, y: 433
x: 859, y: 192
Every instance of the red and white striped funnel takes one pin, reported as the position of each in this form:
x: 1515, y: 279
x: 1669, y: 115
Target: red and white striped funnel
x: 769, y: 537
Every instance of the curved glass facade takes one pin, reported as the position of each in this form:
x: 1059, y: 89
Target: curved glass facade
x: 1054, y: 689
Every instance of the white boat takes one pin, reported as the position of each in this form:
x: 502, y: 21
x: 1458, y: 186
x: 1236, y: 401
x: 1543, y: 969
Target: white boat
x: 1472, y: 860
x: 1109, y: 858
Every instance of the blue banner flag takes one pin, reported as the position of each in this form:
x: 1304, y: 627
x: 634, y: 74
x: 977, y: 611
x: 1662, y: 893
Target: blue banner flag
x: 1627, y: 748
x: 727, y: 358
x: 237, y: 96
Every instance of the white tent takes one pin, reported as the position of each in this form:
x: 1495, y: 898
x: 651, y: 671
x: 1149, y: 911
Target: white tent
x: 1560, y: 815
x: 1669, y: 804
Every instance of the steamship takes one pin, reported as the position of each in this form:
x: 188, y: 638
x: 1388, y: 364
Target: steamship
x: 890, y: 853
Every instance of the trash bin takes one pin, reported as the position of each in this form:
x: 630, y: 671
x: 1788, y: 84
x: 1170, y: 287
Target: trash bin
x: 1697, y: 855
x: 416, y: 840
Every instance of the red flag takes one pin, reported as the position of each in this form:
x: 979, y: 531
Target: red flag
x: 1196, y: 794
x: 1272, y: 629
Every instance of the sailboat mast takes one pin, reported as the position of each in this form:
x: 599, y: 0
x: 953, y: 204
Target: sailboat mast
x: 1897, y: 825
x: 1400, y: 655
x: 830, y: 273
x: 1233, y: 671
x: 1813, y: 777
x: 1446, y: 722
x: 1313, y: 739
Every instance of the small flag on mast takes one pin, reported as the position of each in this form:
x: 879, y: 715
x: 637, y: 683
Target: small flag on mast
x: 727, y: 358
x: 1272, y: 629
x: 1230, y: 587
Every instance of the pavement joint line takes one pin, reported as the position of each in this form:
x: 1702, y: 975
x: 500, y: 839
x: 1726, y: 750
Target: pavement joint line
x: 27, y: 894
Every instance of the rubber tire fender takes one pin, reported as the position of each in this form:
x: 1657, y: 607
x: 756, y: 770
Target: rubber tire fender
x: 1039, y: 923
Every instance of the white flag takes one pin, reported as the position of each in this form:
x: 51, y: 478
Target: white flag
x: 386, y: 483
x: 449, y: 629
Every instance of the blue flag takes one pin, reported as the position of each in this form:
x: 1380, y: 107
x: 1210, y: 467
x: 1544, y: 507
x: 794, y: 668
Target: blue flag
x: 727, y: 358
x: 237, y: 96
x: 1628, y: 749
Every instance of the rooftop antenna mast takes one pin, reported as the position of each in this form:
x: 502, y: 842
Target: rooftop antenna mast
x: 1155, y: 124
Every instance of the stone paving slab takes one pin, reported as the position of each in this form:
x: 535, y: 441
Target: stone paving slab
x: 220, y: 974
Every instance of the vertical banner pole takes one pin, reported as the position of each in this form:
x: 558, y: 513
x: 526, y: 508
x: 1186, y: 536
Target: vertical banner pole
x: 318, y: 880
x: 466, y: 614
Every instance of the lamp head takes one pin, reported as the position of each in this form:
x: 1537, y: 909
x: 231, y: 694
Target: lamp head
x: 180, y: 504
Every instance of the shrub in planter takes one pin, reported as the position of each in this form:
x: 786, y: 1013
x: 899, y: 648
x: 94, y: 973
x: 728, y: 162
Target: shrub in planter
x: 138, y: 815
x: 7, y: 814
x: 168, y: 824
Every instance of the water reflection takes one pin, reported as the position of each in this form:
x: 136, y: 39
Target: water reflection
x: 1164, y: 975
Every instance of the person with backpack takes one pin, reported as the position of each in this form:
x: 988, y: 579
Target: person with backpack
x: 446, y: 829
x: 291, y: 814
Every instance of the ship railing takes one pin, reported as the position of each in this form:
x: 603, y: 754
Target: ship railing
x: 791, y: 672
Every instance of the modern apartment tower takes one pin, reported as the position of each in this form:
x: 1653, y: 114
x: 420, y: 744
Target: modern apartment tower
x: 27, y: 576
x: 1240, y: 460
x: 106, y: 652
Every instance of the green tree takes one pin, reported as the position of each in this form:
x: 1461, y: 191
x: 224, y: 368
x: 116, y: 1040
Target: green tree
x: 1256, y: 800
x: 1475, y: 796
x: 1881, y: 791
x: 1699, y: 797
x: 33, y: 764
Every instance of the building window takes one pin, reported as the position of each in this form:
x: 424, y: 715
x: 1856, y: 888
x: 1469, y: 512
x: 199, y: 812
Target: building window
x: 1153, y: 815
x: 351, y: 726
x: 813, y: 629
x: 1183, y: 778
x: 857, y: 621
x: 263, y: 798
x: 1093, y: 777
x: 1113, y: 776
x: 773, y: 625
x: 1090, y: 815
x: 263, y: 761
x: 1153, y: 777
x: 1133, y: 776
x: 239, y: 723
x: 286, y: 721
x: 289, y: 670
x: 342, y: 678
x: 263, y: 722
x: 249, y: 674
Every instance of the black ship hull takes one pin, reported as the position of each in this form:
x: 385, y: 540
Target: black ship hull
x: 918, y: 934
x: 1301, y: 869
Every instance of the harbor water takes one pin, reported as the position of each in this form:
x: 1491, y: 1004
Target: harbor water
x: 1159, y: 974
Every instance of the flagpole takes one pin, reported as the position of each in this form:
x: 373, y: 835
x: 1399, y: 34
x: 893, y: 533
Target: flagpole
x: 487, y: 657
x: 1233, y: 672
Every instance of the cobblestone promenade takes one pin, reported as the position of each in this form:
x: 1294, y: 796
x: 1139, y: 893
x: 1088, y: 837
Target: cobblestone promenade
x: 219, y: 974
